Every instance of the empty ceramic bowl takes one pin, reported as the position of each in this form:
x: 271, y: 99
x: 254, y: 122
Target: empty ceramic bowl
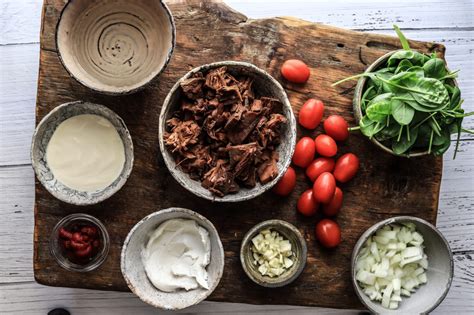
x: 298, y: 245
x: 133, y: 269
x: 115, y: 46
x: 439, y: 273
x: 42, y: 136
x: 265, y: 85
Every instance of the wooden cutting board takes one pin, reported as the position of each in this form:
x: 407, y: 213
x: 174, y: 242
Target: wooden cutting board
x: 209, y: 31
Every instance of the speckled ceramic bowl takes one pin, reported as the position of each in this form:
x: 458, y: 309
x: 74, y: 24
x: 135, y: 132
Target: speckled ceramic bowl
x: 359, y: 91
x: 439, y: 273
x: 115, y: 46
x: 43, y: 134
x: 134, y: 272
x: 266, y: 85
x: 298, y: 245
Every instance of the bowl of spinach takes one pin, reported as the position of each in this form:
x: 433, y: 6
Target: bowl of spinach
x: 408, y: 103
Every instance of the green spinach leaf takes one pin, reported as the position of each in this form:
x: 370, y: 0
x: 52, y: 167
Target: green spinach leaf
x: 435, y: 68
x: 402, y: 112
x: 407, y: 140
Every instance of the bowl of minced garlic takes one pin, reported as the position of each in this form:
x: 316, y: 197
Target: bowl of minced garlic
x: 273, y: 253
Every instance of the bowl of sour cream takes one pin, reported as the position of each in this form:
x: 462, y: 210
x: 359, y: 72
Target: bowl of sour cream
x: 82, y: 153
x: 173, y: 258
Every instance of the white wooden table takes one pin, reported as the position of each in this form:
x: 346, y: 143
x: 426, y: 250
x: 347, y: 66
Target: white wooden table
x: 446, y: 21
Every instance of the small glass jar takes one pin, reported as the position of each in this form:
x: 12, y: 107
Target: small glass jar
x: 59, y: 252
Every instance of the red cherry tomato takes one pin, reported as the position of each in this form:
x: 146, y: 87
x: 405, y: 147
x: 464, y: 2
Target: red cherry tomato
x: 324, y: 187
x: 306, y: 204
x: 304, y: 152
x: 286, y: 184
x: 336, y: 127
x: 346, y: 167
x: 319, y: 166
x: 311, y: 113
x: 328, y: 233
x: 325, y: 145
x: 332, y: 208
x: 295, y: 71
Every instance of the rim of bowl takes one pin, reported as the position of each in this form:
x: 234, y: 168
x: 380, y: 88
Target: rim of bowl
x: 158, y: 213
x: 124, y: 175
x: 162, y: 128
x: 371, y: 230
x: 132, y: 90
x: 356, y: 103
x: 274, y: 223
x: 66, y: 263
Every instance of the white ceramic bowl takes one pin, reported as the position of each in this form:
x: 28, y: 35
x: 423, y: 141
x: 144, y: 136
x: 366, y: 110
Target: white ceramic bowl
x: 439, y: 273
x: 266, y: 85
x: 115, y: 46
x: 134, y: 272
x: 43, y: 133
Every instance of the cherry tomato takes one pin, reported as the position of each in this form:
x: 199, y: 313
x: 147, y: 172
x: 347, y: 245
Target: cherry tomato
x: 325, y: 145
x: 324, y: 187
x: 304, y: 152
x: 306, y: 204
x: 286, y: 184
x: 328, y: 233
x: 336, y: 127
x: 295, y: 70
x: 332, y: 208
x: 346, y: 167
x: 319, y: 166
x: 311, y: 113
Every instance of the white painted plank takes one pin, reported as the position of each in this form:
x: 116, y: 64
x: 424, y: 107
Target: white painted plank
x: 31, y: 298
x: 366, y: 14
x: 19, y: 71
x: 20, y: 19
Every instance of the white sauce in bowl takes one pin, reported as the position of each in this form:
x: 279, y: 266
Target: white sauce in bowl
x: 86, y: 153
x: 176, y: 256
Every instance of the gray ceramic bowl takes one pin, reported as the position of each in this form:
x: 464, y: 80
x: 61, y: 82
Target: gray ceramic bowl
x: 439, y: 273
x: 134, y: 272
x: 298, y: 244
x: 359, y: 91
x: 267, y: 86
x: 115, y: 46
x: 45, y: 130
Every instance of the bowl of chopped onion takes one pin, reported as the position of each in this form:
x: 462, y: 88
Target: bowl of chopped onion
x: 402, y: 265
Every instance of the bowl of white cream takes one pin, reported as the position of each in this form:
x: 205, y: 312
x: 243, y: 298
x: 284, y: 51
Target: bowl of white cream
x: 82, y: 153
x: 173, y: 258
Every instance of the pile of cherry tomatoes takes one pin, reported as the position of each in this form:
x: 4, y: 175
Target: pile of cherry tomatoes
x: 323, y: 171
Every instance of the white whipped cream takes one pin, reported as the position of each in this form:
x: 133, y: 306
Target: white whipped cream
x: 176, y: 256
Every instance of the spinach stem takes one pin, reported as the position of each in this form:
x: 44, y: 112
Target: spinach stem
x: 357, y: 76
x: 354, y: 128
x: 457, y: 141
x: 408, y: 133
x: 431, y: 141
x: 421, y: 122
x: 400, y: 134
x: 402, y: 38
x: 468, y: 131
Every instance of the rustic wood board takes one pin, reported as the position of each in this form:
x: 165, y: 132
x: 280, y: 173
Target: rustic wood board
x: 209, y: 31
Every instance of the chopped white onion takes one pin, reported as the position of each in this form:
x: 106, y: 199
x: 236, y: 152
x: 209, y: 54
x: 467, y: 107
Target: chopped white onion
x: 391, y: 264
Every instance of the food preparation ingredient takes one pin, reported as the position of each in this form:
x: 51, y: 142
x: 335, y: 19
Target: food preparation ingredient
x: 272, y: 253
x: 286, y: 184
x: 411, y: 103
x: 176, y: 256
x: 325, y: 145
x: 332, y: 207
x: 328, y: 233
x: 336, y: 127
x: 80, y: 242
x: 295, y: 70
x: 346, y: 167
x: 223, y: 133
x: 86, y: 153
x: 319, y: 166
x: 324, y: 187
x: 392, y: 264
x: 304, y: 152
x: 307, y: 205
x: 311, y: 113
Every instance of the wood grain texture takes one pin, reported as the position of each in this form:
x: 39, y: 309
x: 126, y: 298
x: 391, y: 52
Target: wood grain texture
x: 225, y: 34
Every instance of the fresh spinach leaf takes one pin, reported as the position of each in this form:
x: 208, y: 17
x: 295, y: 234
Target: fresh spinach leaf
x: 369, y: 128
x: 406, y: 141
x: 435, y: 68
x: 378, y: 111
x: 404, y: 65
x: 402, y: 112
